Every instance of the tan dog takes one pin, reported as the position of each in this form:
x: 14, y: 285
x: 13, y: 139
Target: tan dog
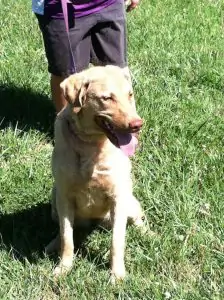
x: 90, y: 161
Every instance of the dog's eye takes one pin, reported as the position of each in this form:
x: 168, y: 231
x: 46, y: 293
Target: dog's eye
x: 130, y: 94
x: 106, y: 98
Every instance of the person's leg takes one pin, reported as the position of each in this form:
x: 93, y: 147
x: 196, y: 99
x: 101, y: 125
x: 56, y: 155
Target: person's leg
x: 109, y: 41
x: 56, y: 92
x: 57, y: 52
x: 109, y: 44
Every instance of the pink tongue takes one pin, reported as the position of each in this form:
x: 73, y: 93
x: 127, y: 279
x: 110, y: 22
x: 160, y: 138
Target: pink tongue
x: 127, y: 143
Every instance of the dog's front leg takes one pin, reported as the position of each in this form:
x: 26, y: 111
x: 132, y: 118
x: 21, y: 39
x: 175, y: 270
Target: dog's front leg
x: 66, y: 221
x: 119, y: 222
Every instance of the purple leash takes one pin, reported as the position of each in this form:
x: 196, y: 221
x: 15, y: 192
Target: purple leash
x: 64, y: 4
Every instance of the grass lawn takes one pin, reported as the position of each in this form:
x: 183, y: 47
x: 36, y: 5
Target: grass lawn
x: 177, y: 60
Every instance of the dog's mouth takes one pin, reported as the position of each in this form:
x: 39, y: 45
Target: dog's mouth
x: 126, y: 141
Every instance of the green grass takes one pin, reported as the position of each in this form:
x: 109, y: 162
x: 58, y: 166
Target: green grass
x: 176, y: 57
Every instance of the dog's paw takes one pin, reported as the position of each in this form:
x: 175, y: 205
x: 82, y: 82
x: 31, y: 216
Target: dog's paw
x: 141, y: 226
x: 62, y: 269
x: 117, y: 275
x: 141, y: 223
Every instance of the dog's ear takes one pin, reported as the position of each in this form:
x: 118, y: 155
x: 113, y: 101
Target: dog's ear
x: 75, y: 89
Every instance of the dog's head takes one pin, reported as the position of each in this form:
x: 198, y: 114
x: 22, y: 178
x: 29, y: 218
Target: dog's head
x: 102, y: 103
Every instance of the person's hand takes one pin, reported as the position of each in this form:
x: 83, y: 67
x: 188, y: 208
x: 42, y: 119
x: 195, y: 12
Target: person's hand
x: 131, y: 4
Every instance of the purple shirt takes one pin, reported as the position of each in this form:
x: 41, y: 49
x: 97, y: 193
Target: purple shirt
x: 80, y: 8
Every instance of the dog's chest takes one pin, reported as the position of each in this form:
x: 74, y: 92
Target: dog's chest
x: 94, y: 198
x: 107, y: 171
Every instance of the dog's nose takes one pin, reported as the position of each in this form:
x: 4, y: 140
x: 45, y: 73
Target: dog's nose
x: 135, y: 124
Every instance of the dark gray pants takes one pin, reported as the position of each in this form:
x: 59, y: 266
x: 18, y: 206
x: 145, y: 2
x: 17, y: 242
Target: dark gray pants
x: 99, y: 38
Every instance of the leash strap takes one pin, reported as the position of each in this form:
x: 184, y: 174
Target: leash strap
x: 65, y: 15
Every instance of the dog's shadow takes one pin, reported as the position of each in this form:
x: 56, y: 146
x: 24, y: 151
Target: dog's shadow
x: 25, y: 234
x: 26, y: 109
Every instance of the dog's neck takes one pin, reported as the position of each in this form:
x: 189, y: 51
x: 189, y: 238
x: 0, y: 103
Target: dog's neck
x: 78, y: 137
x: 94, y: 140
